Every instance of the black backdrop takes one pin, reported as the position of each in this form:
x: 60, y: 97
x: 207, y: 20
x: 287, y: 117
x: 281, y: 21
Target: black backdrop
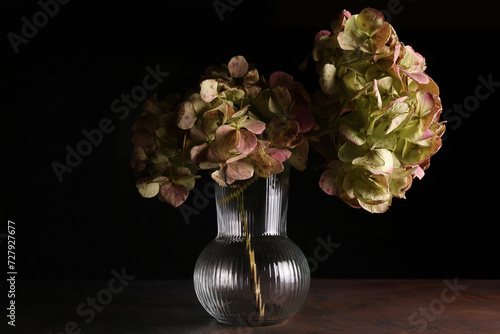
x: 65, y: 77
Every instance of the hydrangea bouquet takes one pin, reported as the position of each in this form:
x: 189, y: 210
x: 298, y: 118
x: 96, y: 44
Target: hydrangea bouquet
x: 375, y: 120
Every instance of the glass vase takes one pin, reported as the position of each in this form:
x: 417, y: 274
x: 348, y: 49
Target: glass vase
x: 252, y: 273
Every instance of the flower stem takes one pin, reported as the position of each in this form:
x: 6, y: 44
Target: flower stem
x: 259, y: 304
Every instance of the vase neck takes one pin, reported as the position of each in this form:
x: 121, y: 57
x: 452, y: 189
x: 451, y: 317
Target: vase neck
x: 259, y: 204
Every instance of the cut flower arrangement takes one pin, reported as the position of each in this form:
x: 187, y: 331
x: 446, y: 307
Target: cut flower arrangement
x: 374, y: 118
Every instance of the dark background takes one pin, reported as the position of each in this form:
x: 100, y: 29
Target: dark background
x: 65, y: 78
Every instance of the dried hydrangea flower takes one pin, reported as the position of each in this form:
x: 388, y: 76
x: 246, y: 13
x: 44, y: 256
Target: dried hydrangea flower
x: 378, y: 111
x: 237, y: 123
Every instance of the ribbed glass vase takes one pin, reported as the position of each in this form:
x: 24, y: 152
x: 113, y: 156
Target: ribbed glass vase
x: 252, y: 273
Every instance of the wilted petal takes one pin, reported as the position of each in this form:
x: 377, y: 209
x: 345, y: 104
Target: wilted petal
x: 280, y: 98
x: 143, y: 138
x: 380, y: 38
x: 350, y: 151
x: 199, y: 153
x: 285, y: 134
x: 251, y: 77
x: 321, y: 34
x: 186, y: 116
x: 279, y: 78
x: 370, y: 189
x: 147, y: 188
x: 139, y: 159
x: 208, y: 91
x: 240, y: 170
x: 339, y: 23
x: 419, y: 172
x: 146, y: 121
x: 238, y: 66
x: 397, y: 113
x: 351, y: 134
x: 376, y: 208
x: 226, y: 138
x: 174, y: 194
x: 328, y: 182
x: 370, y: 20
x: 254, y: 126
x: 152, y: 106
x: 299, y: 158
x: 279, y: 154
x: 413, y: 154
x: 247, y: 141
x: 302, y: 114
x: 327, y: 78
x: 263, y: 163
x: 419, y: 77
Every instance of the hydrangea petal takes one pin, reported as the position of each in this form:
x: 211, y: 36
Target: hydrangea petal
x: 147, y: 189
x: 238, y: 66
x: 279, y: 154
x: 174, y: 194
x: 279, y: 78
x: 328, y: 182
x: 208, y: 91
x: 247, y: 141
x: 240, y: 170
x: 254, y: 126
x: 327, y: 78
x: 186, y: 116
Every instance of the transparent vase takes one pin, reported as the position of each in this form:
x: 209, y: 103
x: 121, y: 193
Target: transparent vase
x: 252, y: 273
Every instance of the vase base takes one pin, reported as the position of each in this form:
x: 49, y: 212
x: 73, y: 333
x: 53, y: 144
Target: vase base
x: 250, y: 323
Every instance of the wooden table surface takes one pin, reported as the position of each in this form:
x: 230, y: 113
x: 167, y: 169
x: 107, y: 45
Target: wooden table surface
x: 333, y: 306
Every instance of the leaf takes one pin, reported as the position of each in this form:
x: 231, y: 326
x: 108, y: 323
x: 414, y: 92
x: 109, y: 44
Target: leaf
x: 208, y: 91
x: 238, y: 66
